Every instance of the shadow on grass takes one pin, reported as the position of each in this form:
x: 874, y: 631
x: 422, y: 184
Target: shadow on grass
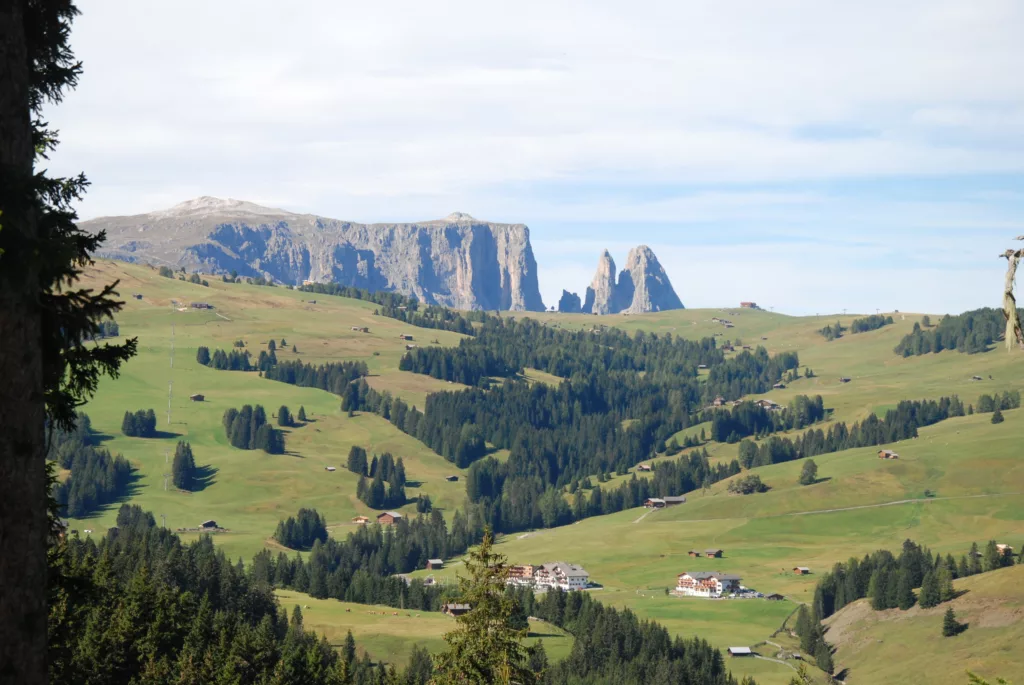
x: 204, y: 477
x: 821, y: 480
x: 543, y: 635
x: 131, y: 490
x: 164, y: 435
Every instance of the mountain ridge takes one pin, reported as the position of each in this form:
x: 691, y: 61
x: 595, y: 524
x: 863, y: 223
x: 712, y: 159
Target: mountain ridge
x: 643, y: 286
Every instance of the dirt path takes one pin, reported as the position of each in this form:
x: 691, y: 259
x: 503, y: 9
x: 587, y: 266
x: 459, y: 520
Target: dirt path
x: 896, y: 502
x: 644, y: 515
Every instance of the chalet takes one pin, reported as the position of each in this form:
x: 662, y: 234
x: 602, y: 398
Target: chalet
x: 360, y: 520
x: 201, y: 305
x: 562, y: 576
x: 389, y: 518
x: 748, y: 305
x: 198, y: 397
x: 887, y: 454
x: 654, y: 503
x: 801, y: 570
x: 435, y: 564
x: 644, y: 467
x: 694, y: 553
x: 844, y: 379
x: 719, y: 401
x: 779, y: 386
x: 713, y: 553
x: 768, y: 404
x: 1005, y: 550
x: 710, y: 584
x: 208, y: 525
x: 740, y: 651
x: 672, y: 501
x: 404, y: 336
x: 330, y: 468
x: 774, y: 597
x: 455, y: 609
x: 521, y: 575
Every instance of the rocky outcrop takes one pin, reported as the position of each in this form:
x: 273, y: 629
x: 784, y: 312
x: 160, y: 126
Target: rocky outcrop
x: 569, y: 303
x: 643, y: 286
x: 457, y: 261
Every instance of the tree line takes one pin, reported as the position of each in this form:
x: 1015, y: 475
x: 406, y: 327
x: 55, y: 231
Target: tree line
x: 247, y: 429
x: 870, y: 323
x: 301, y: 531
x: 97, y: 477
x: 333, y: 377
x: 381, y: 482
x: 140, y: 606
x: 104, y: 329
x: 969, y: 333
x: 232, y: 360
x: 139, y: 424
x: 900, y: 423
x: 749, y: 418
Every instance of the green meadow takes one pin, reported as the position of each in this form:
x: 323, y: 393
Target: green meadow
x: 960, y: 481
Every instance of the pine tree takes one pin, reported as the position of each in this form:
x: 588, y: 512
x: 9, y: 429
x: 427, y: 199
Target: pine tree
x: 348, y: 649
x: 944, y: 580
x: 302, y: 414
x: 997, y: 416
x: 184, y: 467
x: 950, y: 626
x: 974, y: 560
x: 878, y: 589
x: 284, y: 417
x: 484, y: 648
x: 809, y: 473
x: 905, y: 590
x: 203, y: 355
x: 823, y: 657
x: 992, y: 558
x: 271, y: 346
x: 931, y: 593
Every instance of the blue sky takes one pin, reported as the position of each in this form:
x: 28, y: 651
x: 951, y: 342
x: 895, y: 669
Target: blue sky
x: 811, y: 155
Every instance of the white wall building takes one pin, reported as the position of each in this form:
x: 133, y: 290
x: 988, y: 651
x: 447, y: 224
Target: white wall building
x: 554, y: 575
x: 708, y: 584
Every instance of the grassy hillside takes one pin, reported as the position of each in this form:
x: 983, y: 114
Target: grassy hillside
x: 970, y: 468
x: 250, y: 491
x: 907, y: 646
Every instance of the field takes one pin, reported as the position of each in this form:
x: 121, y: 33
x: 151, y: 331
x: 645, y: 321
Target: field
x: 970, y: 468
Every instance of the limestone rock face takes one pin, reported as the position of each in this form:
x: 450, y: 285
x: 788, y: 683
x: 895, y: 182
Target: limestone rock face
x: 643, y: 286
x: 601, y: 291
x: 457, y: 261
x: 569, y: 303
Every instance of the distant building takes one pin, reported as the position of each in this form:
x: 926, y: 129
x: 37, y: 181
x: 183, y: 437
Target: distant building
x: 748, y: 305
x: 404, y: 336
x: 713, y: 553
x: 719, y: 401
x: 361, y: 329
x: 389, y: 518
x: 768, y: 404
x: 435, y: 564
x: 708, y: 584
x: 702, y: 366
x: 452, y: 479
x: 844, y: 379
x: 208, y: 525
x: 887, y: 454
x: 671, y: 501
x: 644, y: 467
x: 198, y: 397
x: 360, y: 520
x: 561, y: 575
x: 201, y: 305
x: 521, y: 575
x: 330, y: 468
x: 801, y: 570
x: 779, y: 386
x: 694, y: 553
x: 654, y: 503
x: 455, y: 609
x: 774, y: 597
x: 410, y: 346
x: 740, y: 651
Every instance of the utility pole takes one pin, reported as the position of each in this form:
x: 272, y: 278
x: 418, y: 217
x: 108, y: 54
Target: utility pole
x: 163, y: 519
x: 170, y: 386
x: 165, y: 482
x: 172, y: 345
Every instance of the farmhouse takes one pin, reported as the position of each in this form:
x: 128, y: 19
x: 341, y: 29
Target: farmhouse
x: 208, y: 525
x: 713, y: 553
x: 707, y: 584
x: 768, y: 404
x: 561, y: 575
x: 198, y: 397
x: 740, y: 651
x: 360, y: 520
x: 672, y: 501
x: 1004, y: 549
x: 435, y: 564
x: 389, y: 518
x: 455, y: 609
x: 887, y: 454
x: 654, y: 503
x: 643, y: 467
x: 452, y: 479
x: 719, y: 401
x: 748, y: 305
x: 801, y: 570
x: 404, y: 336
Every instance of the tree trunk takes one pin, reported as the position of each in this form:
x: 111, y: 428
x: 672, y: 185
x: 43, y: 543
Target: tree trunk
x: 23, y: 523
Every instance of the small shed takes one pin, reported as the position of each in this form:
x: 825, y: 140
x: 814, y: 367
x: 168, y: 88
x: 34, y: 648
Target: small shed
x: 887, y: 454
x: 198, y: 397
x: 329, y: 468
x: 435, y: 564
x: 404, y: 336
x: 389, y: 518
x: 774, y: 597
x: 452, y: 479
x: 779, y: 386
x: 654, y: 503
x: 845, y: 379
x: 208, y: 525
x: 801, y: 570
x: 694, y: 553
x: 740, y: 651
x: 455, y: 609
x: 674, y: 500
x: 644, y: 467
x: 360, y: 520
x: 714, y: 553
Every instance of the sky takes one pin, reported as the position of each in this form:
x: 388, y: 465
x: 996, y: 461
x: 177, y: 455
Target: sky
x: 811, y: 155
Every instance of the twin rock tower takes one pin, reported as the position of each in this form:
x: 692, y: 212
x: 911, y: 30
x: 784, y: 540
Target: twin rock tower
x: 643, y: 286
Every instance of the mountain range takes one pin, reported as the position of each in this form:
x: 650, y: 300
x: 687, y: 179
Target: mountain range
x: 457, y: 261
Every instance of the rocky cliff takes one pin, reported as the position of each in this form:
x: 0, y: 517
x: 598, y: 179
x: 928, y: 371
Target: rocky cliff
x: 457, y: 261
x: 643, y: 286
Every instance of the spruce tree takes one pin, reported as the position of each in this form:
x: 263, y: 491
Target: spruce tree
x: 974, y: 560
x: 997, y: 416
x: 944, y: 580
x: 905, y: 590
x: 484, y: 647
x: 302, y: 414
x: 992, y: 558
x: 284, y: 417
x: 809, y: 473
x: 931, y: 593
x: 823, y: 657
x: 950, y: 626
x: 203, y: 355
x: 271, y: 346
x: 878, y: 589
x: 184, y: 466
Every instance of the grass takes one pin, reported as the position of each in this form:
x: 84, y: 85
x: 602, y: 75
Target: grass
x: 389, y: 637
x: 907, y: 646
x: 972, y: 467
